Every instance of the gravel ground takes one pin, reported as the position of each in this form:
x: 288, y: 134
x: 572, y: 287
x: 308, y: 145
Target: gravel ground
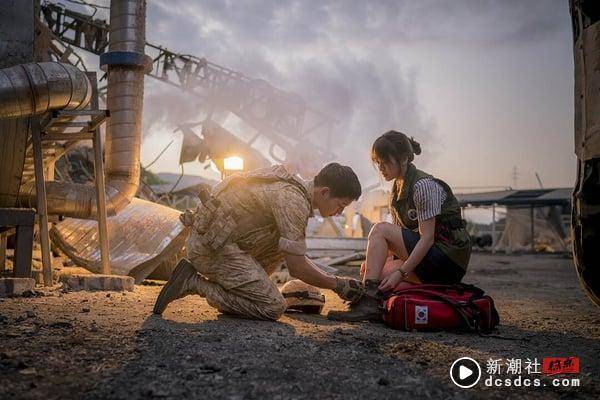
x: 108, y: 345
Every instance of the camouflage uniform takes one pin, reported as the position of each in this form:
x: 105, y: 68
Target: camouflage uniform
x: 242, y: 233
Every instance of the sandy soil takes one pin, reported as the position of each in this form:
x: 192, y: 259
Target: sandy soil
x: 108, y: 345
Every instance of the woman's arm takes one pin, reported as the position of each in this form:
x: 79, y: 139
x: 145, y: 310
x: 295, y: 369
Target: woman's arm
x: 427, y: 231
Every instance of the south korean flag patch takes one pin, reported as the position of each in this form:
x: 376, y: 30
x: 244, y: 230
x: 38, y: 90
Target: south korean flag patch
x: 421, y: 314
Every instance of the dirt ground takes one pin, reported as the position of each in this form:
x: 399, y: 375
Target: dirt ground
x: 108, y: 345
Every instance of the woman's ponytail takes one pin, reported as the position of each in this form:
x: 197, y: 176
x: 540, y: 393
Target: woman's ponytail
x: 416, y: 146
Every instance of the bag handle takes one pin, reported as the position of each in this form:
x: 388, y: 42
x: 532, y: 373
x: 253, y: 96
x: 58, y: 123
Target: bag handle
x: 459, y: 287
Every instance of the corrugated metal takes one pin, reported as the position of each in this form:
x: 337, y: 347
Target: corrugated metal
x: 540, y: 197
x: 13, y: 145
x: 142, y: 235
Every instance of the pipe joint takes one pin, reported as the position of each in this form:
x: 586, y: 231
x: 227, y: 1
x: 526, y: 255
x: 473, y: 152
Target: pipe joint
x: 125, y: 59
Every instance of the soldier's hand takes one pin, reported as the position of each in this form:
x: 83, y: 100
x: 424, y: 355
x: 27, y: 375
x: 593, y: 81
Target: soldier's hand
x: 349, y: 288
x: 363, y: 270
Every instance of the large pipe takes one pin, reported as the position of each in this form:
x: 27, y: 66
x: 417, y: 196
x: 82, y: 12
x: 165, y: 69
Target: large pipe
x: 126, y: 70
x: 36, y: 88
x: 126, y: 65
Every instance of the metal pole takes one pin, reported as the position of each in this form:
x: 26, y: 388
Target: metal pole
x: 40, y: 186
x: 493, y: 229
x: 532, y: 229
x: 99, y: 181
x: 3, y: 238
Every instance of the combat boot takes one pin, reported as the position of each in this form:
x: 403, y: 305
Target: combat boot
x: 181, y: 283
x: 367, y: 308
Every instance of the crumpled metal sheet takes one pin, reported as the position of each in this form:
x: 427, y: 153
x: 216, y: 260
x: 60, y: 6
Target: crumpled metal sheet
x: 142, y: 236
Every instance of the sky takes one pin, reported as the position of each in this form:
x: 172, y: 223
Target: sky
x: 485, y: 86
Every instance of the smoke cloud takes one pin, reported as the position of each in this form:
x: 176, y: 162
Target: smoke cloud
x: 359, y: 62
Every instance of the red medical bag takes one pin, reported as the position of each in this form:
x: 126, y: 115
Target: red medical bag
x: 440, y: 308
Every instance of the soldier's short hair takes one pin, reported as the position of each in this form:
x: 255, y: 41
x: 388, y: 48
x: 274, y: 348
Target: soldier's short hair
x: 340, y: 179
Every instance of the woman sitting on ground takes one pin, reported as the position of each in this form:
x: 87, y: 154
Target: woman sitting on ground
x: 427, y: 243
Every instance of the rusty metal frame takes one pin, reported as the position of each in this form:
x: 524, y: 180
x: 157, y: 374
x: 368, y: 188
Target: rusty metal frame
x: 51, y: 128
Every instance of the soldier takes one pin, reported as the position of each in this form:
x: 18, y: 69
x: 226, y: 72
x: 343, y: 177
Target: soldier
x: 250, y: 224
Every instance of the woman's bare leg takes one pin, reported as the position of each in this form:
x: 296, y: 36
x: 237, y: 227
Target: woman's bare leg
x: 383, y: 238
x: 388, y: 268
x: 393, y: 265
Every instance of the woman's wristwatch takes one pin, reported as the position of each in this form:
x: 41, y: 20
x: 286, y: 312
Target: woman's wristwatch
x: 403, y: 273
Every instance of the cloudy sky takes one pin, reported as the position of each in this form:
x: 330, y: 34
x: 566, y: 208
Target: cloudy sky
x: 485, y: 86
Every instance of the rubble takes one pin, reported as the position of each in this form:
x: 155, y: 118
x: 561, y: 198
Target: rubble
x: 77, y: 282
x: 16, y: 286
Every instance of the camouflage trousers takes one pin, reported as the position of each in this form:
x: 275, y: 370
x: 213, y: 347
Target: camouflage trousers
x: 235, y: 282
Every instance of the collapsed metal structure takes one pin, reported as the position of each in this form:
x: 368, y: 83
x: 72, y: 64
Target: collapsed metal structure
x: 54, y: 94
x: 282, y: 117
x: 37, y: 89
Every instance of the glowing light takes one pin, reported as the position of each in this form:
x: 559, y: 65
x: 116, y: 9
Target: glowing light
x: 233, y: 163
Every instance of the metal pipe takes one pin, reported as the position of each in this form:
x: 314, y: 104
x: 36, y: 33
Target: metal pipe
x: 36, y: 88
x: 126, y: 70
x: 126, y: 64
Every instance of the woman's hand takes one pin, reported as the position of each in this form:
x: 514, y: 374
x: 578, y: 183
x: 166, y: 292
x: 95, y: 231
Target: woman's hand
x: 391, y: 281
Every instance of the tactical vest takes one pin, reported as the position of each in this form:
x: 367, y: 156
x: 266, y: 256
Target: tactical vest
x: 216, y: 220
x: 269, y: 174
x: 450, y: 234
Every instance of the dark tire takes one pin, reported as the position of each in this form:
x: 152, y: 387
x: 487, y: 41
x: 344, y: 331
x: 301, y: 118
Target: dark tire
x: 585, y: 223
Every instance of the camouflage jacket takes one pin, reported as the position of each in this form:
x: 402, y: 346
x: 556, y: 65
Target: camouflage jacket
x: 265, y: 212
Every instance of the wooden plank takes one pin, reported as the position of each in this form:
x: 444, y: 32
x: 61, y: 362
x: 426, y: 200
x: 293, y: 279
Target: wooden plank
x: 3, y: 237
x: 40, y: 185
x: 328, y: 254
x: 96, y: 122
x: 17, y: 216
x: 68, y: 124
x: 331, y: 243
x: 68, y: 136
x: 347, y: 258
x: 99, y: 179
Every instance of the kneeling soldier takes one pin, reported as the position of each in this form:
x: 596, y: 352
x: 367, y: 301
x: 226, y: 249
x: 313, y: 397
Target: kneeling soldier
x: 249, y: 225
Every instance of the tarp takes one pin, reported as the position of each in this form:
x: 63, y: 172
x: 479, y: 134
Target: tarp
x: 549, y: 234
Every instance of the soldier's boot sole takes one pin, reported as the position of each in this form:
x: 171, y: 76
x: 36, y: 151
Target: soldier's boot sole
x: 176, y: 286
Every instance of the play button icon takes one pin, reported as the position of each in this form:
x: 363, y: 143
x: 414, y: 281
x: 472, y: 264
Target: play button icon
x: 465, y: 372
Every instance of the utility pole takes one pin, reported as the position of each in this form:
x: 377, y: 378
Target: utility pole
x: 515, y: 176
